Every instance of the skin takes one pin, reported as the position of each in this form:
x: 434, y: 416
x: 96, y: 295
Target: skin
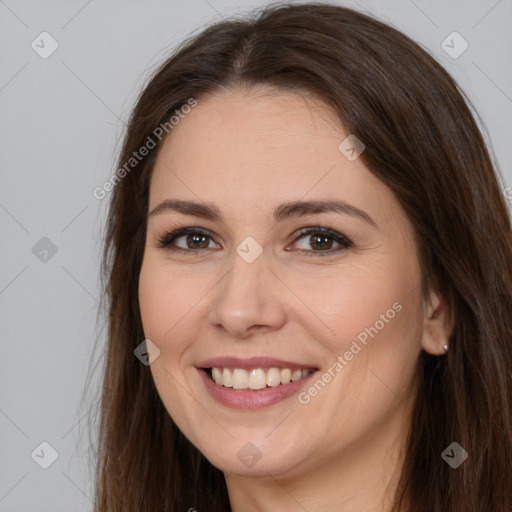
x: 248, y: 151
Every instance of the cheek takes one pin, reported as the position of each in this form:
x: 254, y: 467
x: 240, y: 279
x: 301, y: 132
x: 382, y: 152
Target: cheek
x: 368, y: 320
x: 166, y: 301
x: 364, y: 303
x: 372, y: 342
x: 168, y: 317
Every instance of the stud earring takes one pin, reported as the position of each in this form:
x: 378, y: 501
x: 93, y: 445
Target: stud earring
x: 445, y: 347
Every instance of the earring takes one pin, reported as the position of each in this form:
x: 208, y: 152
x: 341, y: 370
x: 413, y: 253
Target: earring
x: 445, y: 347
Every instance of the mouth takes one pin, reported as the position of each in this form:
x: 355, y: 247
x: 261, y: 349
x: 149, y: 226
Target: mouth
x: 253, y: 383
x: 256, y: 378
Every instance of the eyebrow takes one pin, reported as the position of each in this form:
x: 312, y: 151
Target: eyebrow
x: 282, y: 212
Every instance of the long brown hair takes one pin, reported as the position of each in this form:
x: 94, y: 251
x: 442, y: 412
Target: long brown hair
x: 422, y: 141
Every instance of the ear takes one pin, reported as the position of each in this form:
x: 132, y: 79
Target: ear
x: 437, y: 324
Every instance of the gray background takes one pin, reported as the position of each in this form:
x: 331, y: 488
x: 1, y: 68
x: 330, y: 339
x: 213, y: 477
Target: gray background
x: 60, y: 126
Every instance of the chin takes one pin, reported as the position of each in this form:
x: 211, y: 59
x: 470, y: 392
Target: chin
x: 257, y: 458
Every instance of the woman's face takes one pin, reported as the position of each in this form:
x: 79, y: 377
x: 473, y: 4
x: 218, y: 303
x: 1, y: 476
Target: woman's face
x: 265, y: 280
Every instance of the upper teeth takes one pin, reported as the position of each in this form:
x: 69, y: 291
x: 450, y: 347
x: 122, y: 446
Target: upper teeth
x: 257, y: 378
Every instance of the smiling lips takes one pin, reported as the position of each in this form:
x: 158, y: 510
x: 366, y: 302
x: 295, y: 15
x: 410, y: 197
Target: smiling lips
x: 255, y: 373
x: 247, y: 398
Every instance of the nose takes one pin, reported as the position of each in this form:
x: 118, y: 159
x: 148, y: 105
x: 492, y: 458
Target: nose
x: 249, y: 300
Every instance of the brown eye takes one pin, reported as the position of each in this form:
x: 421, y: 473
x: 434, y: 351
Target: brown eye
x: 195, y: 241
x: 321, y: 240
x: 187, y: 240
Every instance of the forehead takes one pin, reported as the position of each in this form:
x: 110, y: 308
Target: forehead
x: 244, y: 129
x: 246, y: 148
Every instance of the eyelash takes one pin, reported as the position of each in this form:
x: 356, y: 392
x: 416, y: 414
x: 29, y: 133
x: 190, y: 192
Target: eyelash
x: 165, y: 241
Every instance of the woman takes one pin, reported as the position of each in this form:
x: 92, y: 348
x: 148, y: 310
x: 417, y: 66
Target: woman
x: 307, y: 268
